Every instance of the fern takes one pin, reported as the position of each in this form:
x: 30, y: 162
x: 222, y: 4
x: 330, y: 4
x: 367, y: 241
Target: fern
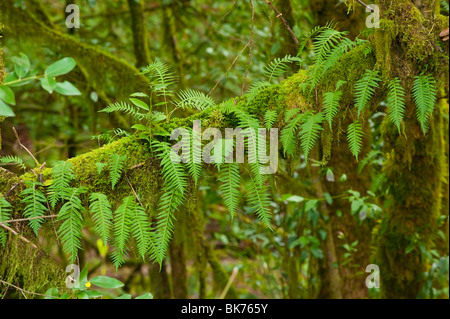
x: 36, y: 205
x: 425, y: 95
x: 289, y: 136
x: 279, y: 66
x: 269, y: 118
x: 230, y: 179
x: 9, y: 159
x: 331, y: 105
x: 369, y: 159
x: 122, y: 230
x: 246, y: 120
x: 365, y: 89
x: 194, y: 169
x: 312, y: 33
x: 161, y: 77
x: 396, y: 102
x: 5, y: 215
x: 140, y: 229
x: 259, y: 200
x: 310, y: 132
x: 194, y: 99
x: 62, y: 176
x: 444, y: 6
x: 125, y: 108
x: 115, y: 168
x: 71, y: 216
x: 255, y: 89
x: 102, y: 215
x: 354, y: 137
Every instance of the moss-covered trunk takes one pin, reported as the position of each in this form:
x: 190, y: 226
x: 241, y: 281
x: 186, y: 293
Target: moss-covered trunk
x: 415, y: 162
x: 139, y: 29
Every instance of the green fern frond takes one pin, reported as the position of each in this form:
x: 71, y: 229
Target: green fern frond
x: 279, y: 66
x: 62, y: 174
x: 230, y: 179
x: 310, y: 132
x: 259, y: 200
x: 173, y: 173
x: 5, y: 215
x: 102, y: 215
x: 36, y: 205
x: 100, y: 167
x: 161, y: 77
x: 227, y: 106
x: 169, y: 202
x: 269, y: 118
x: 354, y: 138
x: 9, y: 159
x: 445, y: 6
x: 256, y: 88
x: 365, y: 89
x: 246, y: 120
x: 331, y: 105
x: 289, y: 134
x: 194, y: 99
x: 140, y: 229
x: 71, y: 215
x: 122, y: 230
x: 312, y: 33
x: 369, y: 159
x: 425, y: 95
x: 125, y: 108
x: 396, y: 102
x: 116, y: 167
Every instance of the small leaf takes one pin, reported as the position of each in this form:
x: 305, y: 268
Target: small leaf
x: 140, y: 104
x: 5, y: 110
x: 61, y: 67
x: 140, y: 127
x: 66, y: 88
x: 145, y: 296
x: 106, y: 282
x: 48, y: 83
x: 7, y: 95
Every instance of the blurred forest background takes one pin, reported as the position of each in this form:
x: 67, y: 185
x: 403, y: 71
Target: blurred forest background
x: 331, y: 216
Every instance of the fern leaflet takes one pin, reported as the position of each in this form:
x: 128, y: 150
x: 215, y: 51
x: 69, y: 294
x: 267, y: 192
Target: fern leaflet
x: 354, y: 137
x: 331, y: 105
x: 36, y: 205
x: 310, y: 132
x: 365, y: 89
x: 230, y: 178
x: 102, y: 215
x: 396, y: 102
x: 5, y: 215
x: 425, y: 95
x: 115, y: 168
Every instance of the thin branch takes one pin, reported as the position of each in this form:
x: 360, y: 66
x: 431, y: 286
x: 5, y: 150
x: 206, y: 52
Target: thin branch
x: 20, y: 236
x: 230, y: 281
x: 280, y: 15
x: 134, y: 192
x: 25, y: 219
x: 24, y: 147
x: 362, y: 3
x: 25, y: 291
x: 251, y: 48
x: 232, y: 64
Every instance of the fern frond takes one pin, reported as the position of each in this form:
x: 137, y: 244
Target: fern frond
x: 369, y: 159
x: 125, y: 108
x: 425, y: 95
x: 365, y: 89
x: 259, y: 200
x: 354, y: 137
x: 310, y: 132
x: 36, y: 205
x: 62, y: 174
x: 5, y: 215
x: 331, y: 105
x: 161, y: 77
x: 396, y: 102
x: 256, y: 88
x: 173, y: 173
x: 9, y: 159
x: 445, y: 6
x: 269, y: 118
x: 227, y: 106
x: 289, y: 136
x: 230, y: 179
x: 194, y: 99
x: 102, y: 215
x: 246, y: 120
x: 122, y: 229
x: 169, y: 202
x: 140, y: 229
x: 279, y: 66
x: 115, y: 166
x: 71, y: 215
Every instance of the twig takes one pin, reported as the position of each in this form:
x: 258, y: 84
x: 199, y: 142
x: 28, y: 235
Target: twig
x: 230, y: 281
x: 362, y: 3
x: 280, y: 15
x: 251, y: 48
x: 25, y: 291
x: 26, y: 219
x: 232, y: 64
x: 134, y: 192
x: 23, y: 146
x: 20, y: 236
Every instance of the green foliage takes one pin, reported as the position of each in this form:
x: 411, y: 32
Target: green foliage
x: 365, y: 89
x: 269, y: 118
x: 102, y: 215
x: 331, y: 105
x: 36, y: 205
x: 9, y: 159
x: 259, y: 200
x: 140, y: 230
x: 396, y: 102
x: 71, y: 215
x: 62, y: 174
x: 161, y: 77
x: 115, y: 166
x: 230, y: 179
x: 194, y: 99
x: 310, y: 132
x: 122, y: 230
x: 354, y: 138
x: 124, y: 108
x: 5, y: 215
x: 425, y: 95
x: 289, y: 134
x: 256, y: 88
x: 279, y: 66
